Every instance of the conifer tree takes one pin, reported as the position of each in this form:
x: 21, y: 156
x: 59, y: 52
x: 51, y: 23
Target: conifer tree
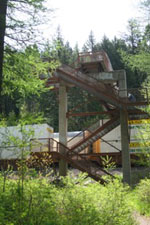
x: 18, y: 22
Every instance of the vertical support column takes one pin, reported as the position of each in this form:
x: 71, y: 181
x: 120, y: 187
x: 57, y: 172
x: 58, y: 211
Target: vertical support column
x: 126, y: 164
x: 122, y: 82
x: 63, y: 125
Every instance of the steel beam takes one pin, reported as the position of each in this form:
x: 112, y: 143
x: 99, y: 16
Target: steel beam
x: 91, y: 113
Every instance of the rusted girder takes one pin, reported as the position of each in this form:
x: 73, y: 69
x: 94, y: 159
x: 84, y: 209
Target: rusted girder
x: 92, y: 113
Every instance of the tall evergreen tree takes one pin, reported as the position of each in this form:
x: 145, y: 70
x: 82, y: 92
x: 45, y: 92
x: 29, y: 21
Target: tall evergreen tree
x: 89, y: 46
x: 133, y: 38
x: 145, y: 44
x: 64, y: 52
x: 3, y: 12
x: 112, y: 48
x: 17, y: 22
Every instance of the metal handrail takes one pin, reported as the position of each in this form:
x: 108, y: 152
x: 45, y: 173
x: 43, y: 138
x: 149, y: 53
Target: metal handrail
x: 76, y: 159
x: 83, y: 131
x: 89, y: 165
x: 90, y: 80
x: 94, y: 133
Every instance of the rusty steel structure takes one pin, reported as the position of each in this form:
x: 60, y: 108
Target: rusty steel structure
x: 93, y: 72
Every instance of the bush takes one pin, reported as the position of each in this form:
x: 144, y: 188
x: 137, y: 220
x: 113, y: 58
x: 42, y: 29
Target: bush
x: 142, y: 193
x: 94, y: 204
x: 34, y: 206
x: 73, y: 202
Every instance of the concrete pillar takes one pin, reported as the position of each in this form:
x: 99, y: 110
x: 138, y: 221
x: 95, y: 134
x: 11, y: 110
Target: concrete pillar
x: 126, y: 164
x: 62, y: 127
x: 122, y: 83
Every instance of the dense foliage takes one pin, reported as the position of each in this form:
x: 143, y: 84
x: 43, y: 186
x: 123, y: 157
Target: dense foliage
x: 142, y: 197
x: 71, y: 202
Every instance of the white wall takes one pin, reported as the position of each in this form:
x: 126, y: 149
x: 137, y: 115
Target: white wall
x: 9, y: 148
x: 114, y: 138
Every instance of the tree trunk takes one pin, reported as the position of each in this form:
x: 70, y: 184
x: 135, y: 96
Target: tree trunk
x: 3, y: 10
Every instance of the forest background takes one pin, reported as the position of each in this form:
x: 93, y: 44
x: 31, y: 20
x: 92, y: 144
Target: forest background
x: 24, y: 58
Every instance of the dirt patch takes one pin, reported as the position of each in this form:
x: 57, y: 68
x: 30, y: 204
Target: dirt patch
x: 141, y: 220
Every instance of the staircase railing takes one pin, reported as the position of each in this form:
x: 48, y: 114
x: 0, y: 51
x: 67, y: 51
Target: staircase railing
x: 95, y: 131
x: 90, y: 83
x: 110, y: 94
x: 78, y: 161
x: 85, y: 133
x: 44, y: 144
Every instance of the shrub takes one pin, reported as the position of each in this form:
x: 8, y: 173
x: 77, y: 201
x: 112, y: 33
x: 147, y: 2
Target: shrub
x: 35, y: 206
x: 142, y: 193
x: 73, y: 202
x: 94, y: 204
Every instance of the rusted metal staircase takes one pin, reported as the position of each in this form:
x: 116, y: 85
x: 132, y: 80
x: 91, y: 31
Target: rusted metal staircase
x: 77, y: 160
x: 87, y: 65
x: 90, y: 84
x: 92, y: 134
x: 76, y: 145
x: 72, y: 154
